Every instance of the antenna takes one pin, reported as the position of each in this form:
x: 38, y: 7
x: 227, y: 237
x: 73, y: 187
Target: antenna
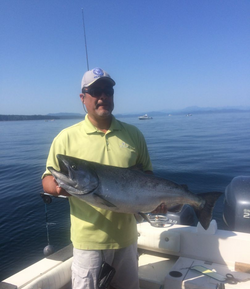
x: 85, y: 40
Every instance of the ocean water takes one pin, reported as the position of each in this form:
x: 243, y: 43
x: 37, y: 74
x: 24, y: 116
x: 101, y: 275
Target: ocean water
x: 203, y: 151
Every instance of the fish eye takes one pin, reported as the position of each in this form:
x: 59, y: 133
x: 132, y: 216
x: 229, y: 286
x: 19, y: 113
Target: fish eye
x: 74, y: 167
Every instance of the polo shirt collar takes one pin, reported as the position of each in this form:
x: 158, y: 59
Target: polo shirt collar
x: 90, y: 128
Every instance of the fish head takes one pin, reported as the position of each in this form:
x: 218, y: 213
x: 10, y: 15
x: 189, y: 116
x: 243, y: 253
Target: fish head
x: 76, y: 176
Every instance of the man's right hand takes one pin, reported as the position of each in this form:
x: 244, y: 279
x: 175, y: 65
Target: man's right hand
x: 50, y: 186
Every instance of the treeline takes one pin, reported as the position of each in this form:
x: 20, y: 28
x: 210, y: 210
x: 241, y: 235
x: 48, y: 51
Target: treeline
x: 26, y: 117
x: 4, y: 117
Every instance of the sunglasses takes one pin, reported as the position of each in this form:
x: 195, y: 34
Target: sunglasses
x: 98, y: 91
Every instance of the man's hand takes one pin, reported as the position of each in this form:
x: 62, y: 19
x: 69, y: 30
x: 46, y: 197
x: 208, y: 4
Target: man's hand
x: 50, y: 186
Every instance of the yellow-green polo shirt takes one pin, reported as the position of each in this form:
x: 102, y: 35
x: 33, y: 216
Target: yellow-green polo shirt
x: 123, y: 145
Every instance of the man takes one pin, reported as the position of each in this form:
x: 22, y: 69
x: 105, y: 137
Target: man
x: 99, y: 235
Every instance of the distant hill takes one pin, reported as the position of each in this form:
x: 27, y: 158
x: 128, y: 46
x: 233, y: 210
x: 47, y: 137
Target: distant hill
x: 192, y: 110
x: 188, y: 110
x: 197, y: 109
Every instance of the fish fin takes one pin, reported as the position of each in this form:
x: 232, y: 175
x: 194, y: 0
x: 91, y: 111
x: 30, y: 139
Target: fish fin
x: 103, y: 201
x: 145, y: 217
x: 139, y: 218
x: 176, y: 208
x: 204, y: 214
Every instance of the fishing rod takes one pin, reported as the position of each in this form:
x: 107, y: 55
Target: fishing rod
x: 86, y: 50
x: 85, y: 40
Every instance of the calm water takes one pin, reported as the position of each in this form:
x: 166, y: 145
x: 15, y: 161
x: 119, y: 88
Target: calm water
x: 204, y: 151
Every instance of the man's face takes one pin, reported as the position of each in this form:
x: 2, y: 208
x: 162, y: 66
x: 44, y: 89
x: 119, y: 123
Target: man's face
x: 98, y: 99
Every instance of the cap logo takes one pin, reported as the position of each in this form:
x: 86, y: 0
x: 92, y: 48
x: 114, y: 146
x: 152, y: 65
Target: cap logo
x: 98, y: 71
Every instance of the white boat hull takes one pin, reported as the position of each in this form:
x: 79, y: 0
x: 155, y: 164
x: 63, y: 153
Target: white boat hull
x: 175, y: 248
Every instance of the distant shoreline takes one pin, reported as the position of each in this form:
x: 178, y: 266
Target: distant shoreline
x: 37, y: 117
x: 57, y: 116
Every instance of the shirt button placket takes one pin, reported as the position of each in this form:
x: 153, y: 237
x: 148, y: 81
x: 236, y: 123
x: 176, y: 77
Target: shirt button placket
x: 106, y: 142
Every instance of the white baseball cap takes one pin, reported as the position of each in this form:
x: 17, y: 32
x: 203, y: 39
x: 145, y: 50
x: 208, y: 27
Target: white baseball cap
x: 93, y: 75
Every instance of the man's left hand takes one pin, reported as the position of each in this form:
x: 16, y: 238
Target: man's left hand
x: 161, y: 210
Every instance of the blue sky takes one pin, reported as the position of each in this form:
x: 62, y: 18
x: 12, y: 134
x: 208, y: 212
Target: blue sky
x: 163, y: 54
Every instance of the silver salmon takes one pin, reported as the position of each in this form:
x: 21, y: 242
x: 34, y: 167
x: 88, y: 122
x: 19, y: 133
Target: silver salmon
x: 128, y: 190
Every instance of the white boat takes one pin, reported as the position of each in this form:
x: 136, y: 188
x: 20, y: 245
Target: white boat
x: 171, y: 256
x: 144, y: 117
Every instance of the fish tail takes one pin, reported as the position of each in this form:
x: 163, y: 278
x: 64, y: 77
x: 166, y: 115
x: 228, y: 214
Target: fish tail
x: 204, y: 213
